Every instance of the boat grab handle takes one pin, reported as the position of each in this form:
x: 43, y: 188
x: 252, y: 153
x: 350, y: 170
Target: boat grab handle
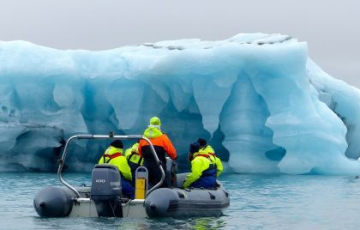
x: 110, y: 136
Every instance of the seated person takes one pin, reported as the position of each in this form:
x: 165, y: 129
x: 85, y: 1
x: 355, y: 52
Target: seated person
x: 134, y: 159
x: 203, y: 171
x: 113, y: 155
x: 207, y: 149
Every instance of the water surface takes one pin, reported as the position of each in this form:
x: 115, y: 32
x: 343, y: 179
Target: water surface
x: 257, y: 202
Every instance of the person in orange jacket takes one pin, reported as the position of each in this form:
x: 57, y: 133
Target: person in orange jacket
x: 163, y: 148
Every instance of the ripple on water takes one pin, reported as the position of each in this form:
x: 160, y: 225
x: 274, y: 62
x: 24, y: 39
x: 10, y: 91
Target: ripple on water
x: 257, y: 202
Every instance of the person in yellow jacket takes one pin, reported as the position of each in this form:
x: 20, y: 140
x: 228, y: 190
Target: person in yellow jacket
x: 134, y: 159
x: 207, y: 149
x: 203, y: 170
x: 114, y: 155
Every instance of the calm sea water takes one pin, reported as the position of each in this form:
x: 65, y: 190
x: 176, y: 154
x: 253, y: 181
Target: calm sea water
x: 257, y: 202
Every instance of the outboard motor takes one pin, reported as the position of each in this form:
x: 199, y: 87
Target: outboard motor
x: 106, y: 190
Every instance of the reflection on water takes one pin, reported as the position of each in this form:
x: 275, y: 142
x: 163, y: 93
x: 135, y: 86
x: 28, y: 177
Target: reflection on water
x: 128, y: 223
x: 257, y: 202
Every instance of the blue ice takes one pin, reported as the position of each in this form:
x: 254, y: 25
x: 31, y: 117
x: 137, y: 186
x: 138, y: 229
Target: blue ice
x: 259, y: 99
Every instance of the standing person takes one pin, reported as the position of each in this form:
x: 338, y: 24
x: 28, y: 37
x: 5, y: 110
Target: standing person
x: 162, y: 146
x: 207, y: 149
x: 134, y: 159
x: 203, y: 170
x: 113, y: 155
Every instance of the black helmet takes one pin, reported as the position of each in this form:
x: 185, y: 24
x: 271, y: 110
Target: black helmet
x: 194, y: 147
x: 117, y: 144
x: 202, y: 142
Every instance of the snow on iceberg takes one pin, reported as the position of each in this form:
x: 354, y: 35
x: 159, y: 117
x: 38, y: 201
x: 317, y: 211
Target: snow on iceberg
x: 259, y: 99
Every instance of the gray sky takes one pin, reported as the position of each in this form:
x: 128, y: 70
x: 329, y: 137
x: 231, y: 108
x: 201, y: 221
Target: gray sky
x: 331, y: 27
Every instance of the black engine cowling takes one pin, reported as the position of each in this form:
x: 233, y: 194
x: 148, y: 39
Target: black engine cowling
x: 106, y: 190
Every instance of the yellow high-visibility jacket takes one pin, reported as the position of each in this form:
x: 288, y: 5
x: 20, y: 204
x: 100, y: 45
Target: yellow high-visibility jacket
x: 114, y: 156
x: 209, y: 150
x: 198, y: 165
x: 132, y: 154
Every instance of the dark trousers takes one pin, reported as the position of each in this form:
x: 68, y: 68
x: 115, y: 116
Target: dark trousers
x: 154, y: 173
x: 127, y: 188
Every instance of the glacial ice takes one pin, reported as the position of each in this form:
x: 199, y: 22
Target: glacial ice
x: 262, y: 103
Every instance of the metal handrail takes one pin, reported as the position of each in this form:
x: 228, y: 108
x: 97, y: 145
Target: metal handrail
x: 110, y: 136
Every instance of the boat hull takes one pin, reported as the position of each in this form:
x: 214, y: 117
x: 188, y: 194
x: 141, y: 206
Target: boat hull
x: 177, y: 202
x: 163, y: 202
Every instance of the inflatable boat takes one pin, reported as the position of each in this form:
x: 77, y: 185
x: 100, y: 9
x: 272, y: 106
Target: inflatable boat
x: 104, y: 198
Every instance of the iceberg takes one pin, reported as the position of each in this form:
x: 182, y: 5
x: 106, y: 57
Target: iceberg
x: 259, y: 99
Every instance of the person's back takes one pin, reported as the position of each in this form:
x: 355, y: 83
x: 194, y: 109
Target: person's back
x: 134, y: 159
x: 207, y: 149
x: 114, y: 155
x: 163, y: 147
x: 203, y: 170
